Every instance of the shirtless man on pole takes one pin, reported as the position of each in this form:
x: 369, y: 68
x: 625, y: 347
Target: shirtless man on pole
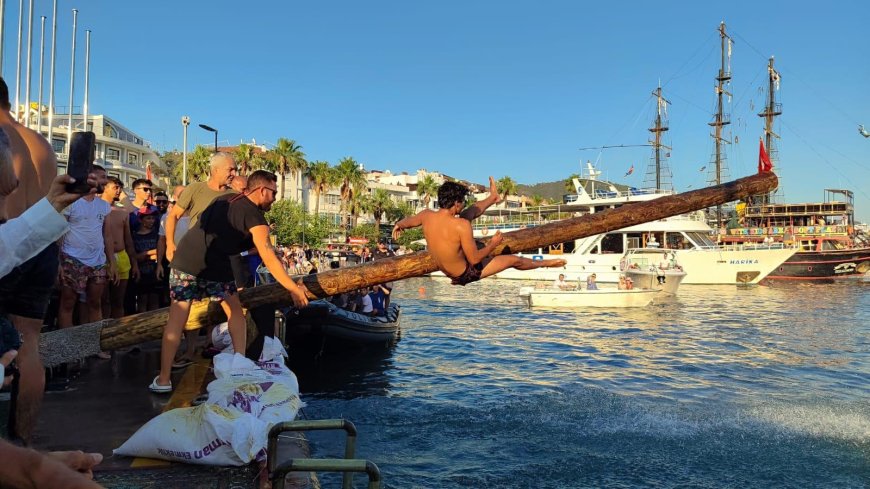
x: 121, y: 244
x: 451, y: 243
x: 25, y: 292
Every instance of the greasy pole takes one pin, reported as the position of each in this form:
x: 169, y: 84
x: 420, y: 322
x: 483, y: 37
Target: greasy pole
x: 139, y: 328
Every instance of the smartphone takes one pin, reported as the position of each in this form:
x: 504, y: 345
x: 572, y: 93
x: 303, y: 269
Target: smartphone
x: 82, y: 150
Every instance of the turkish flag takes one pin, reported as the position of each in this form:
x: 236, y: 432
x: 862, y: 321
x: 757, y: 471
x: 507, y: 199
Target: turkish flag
x: 764, y: 163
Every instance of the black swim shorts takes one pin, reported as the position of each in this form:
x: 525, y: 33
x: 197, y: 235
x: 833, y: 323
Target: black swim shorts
x: 26, y: 290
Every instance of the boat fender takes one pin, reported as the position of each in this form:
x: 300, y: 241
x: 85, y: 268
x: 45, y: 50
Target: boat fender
x: 622, y: 264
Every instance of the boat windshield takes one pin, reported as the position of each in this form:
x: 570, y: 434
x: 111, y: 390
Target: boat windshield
x: 701, y: 240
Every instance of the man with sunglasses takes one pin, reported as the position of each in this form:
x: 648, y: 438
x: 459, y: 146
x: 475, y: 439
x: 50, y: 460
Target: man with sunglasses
x: 201, y: 267
x: 142, y: 190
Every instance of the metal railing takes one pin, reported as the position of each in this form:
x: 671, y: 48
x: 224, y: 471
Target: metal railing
x: 348, y: 465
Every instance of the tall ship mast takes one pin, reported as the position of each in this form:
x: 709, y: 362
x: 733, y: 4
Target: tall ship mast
x: 658, y: 174
x: 720, y: 118
x: 772, y: 109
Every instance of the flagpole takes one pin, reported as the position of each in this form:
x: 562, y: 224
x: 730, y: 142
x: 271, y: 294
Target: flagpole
x: 41, y: 76
x: 28, y: 77
x: 18, y: 62
x: 2, y: 32
x: 87, y: 74
x: 72, y: 81
x: 51, y: 75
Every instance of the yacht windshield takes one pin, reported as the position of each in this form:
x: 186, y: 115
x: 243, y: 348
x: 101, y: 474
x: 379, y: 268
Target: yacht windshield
x: 701, y: 239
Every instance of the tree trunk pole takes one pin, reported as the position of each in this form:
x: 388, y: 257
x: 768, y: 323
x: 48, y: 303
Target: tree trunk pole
x: 148, y: 326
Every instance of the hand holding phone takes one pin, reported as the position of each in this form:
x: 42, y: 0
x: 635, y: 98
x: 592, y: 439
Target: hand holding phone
x: 82, y: 151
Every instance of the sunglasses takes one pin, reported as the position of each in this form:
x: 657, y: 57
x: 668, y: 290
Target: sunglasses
x: 145, y: 189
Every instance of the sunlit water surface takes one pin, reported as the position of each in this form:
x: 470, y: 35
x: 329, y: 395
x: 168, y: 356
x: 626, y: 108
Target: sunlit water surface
x: 715, y: 387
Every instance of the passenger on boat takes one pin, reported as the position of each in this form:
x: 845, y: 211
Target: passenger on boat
x: 629, y: 284
x: 365, y: 302
x: 452, y: 244
x: 379, y: 296
x: 590, y: 282
x: 561, y: 284
x: 621, y: 285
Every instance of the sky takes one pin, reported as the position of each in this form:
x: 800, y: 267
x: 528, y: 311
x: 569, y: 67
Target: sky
x: 479, y: 88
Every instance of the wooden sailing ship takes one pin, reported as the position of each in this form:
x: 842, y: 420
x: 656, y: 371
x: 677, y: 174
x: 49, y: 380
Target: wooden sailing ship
x: 829, y: 248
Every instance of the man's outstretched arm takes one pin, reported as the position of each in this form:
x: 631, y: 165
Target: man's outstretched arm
x: 469, y: 246
x: 407, y: 223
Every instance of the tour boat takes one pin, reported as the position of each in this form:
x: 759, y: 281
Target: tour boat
x: 604, y: 297
x: 653, y: 268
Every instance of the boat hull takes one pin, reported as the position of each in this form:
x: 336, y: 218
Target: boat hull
x: 667, y: 281
x: 823, y: 266
x: 607, y: 298
x: 322, y: 323
x: 703, y: 266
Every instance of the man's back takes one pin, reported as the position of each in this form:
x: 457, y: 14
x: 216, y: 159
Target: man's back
x: 442, y: 233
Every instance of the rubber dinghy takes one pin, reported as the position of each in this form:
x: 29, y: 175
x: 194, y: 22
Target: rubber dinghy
x: 325, y: 323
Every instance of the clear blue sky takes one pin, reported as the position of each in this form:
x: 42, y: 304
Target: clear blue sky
x: 473, y: 88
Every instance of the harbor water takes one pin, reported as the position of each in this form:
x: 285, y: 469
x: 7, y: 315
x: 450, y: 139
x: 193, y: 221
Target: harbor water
x: 718, y: 386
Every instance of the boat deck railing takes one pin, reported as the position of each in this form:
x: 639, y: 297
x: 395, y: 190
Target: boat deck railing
x: 347, y: 465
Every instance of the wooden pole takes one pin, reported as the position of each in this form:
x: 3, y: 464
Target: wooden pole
x: 139, y: 328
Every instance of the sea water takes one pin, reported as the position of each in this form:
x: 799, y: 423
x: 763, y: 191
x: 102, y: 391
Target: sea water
x: 718, y: 386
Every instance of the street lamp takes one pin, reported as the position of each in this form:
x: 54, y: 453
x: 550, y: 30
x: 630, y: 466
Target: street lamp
x: 215, y: 131
x: 185, y: 121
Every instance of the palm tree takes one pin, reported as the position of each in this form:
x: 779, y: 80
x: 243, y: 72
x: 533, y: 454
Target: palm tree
x: 379, y: 203
x: 536, y: 200
x: 569, y: 183
x: 506, y: 186
x: 349, y: 175
x: 243, y: 154
x: 400, y: 211
x: 197, y: 165
x: 289, y: 158
x: 360, y: 202
x: 427, y: 188
x: 262, y: 161
x: 321, y: 177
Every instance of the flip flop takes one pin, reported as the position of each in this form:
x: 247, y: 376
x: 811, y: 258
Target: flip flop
x: 158, y: 388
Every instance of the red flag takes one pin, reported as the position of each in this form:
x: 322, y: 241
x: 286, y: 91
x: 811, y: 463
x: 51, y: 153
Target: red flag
x: 764, y: 163
x: 630, y: 171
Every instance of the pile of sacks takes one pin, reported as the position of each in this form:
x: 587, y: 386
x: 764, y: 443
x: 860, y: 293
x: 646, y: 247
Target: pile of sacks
x: 232, y: 426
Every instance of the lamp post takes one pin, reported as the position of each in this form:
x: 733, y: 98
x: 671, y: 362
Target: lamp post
x: 215, y: 131
x: 185, y: 121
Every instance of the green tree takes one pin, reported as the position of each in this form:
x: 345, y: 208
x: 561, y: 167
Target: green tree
x: 569, y: 183
x: 427, y: 188
x: 289, y: 158
x: 536, y: 200
x: 367, y: 230
x: 262, y: 161
x: 294, y: 226
x: 349, y: 175
x: 408, y: 237
x: 197, y: 166
x: 360, y: 203
x: 243, y: 154
x: 379, y: 203
x: 400, y: 211
x: 506, y: 186
x: 321, y: 177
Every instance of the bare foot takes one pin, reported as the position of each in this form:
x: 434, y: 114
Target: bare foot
x: 104, y: 355
x: 555, y: 263
x: 493, y: 190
